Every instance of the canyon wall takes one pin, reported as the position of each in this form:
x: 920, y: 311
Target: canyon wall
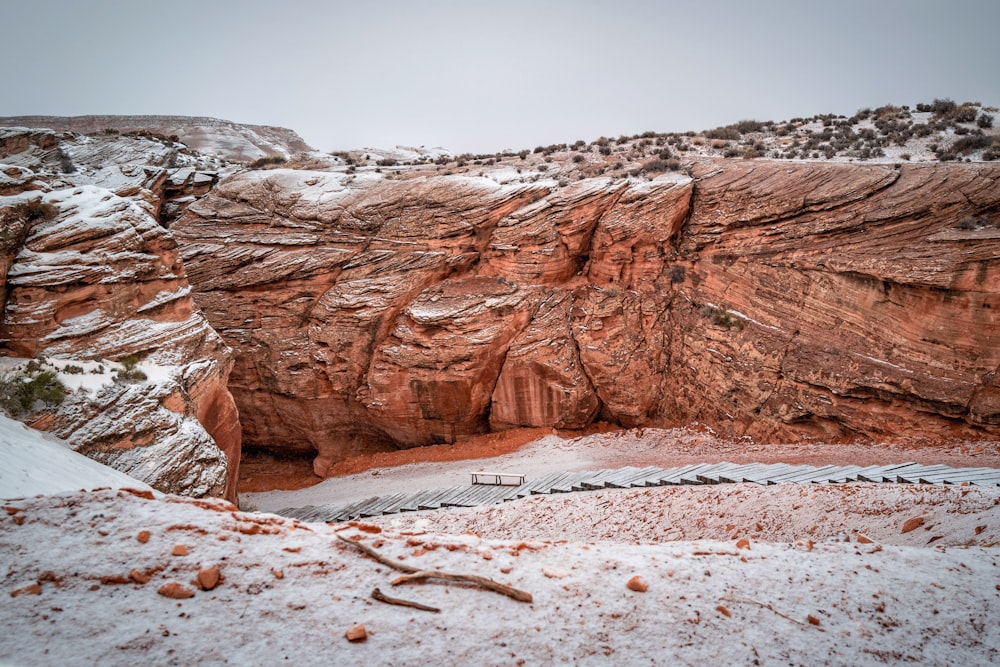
x: 87, y: 274
x: 773, y: 299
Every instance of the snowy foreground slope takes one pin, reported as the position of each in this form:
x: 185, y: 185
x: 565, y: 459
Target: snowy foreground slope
x: 33, y: 463
x: 100, y: 577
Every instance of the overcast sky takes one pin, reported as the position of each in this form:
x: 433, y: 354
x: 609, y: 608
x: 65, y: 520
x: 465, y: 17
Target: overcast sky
x: 484, y: 76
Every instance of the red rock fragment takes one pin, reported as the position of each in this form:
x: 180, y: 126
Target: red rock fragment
x: 980, y: 529
x: 864, y: 539
x: 180, y: 550
x: 365, y: 527
x: 722, y: 610
x: 113, y: 579
x: 30, y: 589
x: 18, y: 519
x: 637, y: 584
x: 138, y: 577
x: 143, y: 536
x: 912, y: 524
x: 141, y: 493
x: 357, y: 633
x: 208, y: 577
x: 278, y: 574
x: 812, y: 620
x: 743, y: 544
x: 175, y: 591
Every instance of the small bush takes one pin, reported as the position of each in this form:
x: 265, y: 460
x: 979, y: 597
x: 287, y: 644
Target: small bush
x: 65, y: 162
x: 16, y: 222
x: 970, y: 143
x: 578, y: 158
x: 128, y: 372
x: 21, y: 391
x: 970, y: 222
x: 386, y: 162
x: 72, y: 369
x: 985, y: 121
x: 272, y: 159
x: 905, y: 156
x: 728, y: 132
x: 722, y: 318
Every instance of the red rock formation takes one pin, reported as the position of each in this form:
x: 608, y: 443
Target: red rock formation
x: 768, y: 298
x: 858, y: 306
x: 99, y: 279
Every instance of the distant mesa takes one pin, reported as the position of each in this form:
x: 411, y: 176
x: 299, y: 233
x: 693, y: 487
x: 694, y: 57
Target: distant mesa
x: 211, y: 136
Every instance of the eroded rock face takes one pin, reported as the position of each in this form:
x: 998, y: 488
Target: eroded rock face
x: 767, y: 298
x: 100, y: 279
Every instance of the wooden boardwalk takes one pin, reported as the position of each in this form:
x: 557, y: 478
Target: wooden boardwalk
x: 630, y: 477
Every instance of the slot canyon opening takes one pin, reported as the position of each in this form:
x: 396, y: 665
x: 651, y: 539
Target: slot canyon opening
x: 263, y: 469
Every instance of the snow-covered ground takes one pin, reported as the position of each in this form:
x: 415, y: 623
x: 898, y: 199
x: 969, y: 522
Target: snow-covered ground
x: 847, y: 575
x: 33, y: 463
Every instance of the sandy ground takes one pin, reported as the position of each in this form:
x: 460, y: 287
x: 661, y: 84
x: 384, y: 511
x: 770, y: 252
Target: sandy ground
x: 116, y: 578
x: 730, y: 574
x: 432, y: 467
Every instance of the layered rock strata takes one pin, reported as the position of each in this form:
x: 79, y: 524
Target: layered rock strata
x: 778, y: 300
x: 91, y: 275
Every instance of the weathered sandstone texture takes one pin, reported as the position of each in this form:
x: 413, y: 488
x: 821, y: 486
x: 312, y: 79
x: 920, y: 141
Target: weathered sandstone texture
x: 772, y: 299
x: 100, y: 279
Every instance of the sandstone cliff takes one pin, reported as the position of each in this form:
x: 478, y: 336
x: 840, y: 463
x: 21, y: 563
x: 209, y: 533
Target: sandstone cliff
x: 779, y: 300
x: 93, y: 276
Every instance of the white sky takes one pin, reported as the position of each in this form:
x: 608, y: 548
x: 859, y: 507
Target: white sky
x: 483, y: 76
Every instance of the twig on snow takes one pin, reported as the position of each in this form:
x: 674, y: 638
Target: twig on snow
x: 770, y: 607
x: 382, y: 597
x: 495, y: 586
x: 413, y: 573
x: 394, y: 564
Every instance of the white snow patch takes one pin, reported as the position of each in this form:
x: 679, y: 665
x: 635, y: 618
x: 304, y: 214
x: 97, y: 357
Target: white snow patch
x: 35, y: 463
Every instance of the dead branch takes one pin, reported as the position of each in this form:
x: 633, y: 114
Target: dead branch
x: 394, y: 564
x: 496, y: 586
x: 382, y: 597
x: 413, y: 573
x: 771, y: 608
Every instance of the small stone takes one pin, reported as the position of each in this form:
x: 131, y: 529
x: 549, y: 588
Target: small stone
x: 208, y: 577
x: 553, y: 573
x: 278, y: 574
x: 637, y: 584
x: 180, y: 550
x: 980, y: 529
x: 913, y: 524
x: 357, y: 633
x: 724, y: 611
x: 138, y: 577
x: 30, y: 589
x: 864, y: 539
x: 143, y: 536
x: 175, y: 591
x: 743, y: 544
x: 812, y: 620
